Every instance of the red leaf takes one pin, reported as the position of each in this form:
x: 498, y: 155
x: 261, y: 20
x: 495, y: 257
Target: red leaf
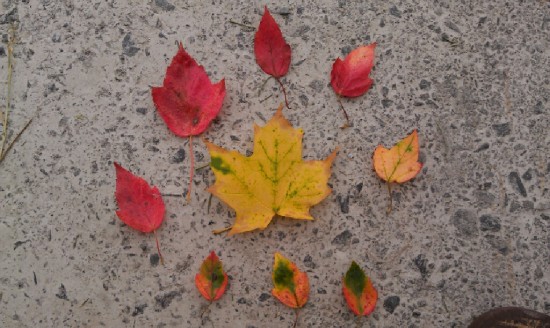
x: 140, y: 206
x: 211, y: 281
x: 271, y: 50
x: 350, y: 77
x: 188, y: 101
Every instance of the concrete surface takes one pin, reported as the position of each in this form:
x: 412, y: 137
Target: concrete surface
x: 471, y: 232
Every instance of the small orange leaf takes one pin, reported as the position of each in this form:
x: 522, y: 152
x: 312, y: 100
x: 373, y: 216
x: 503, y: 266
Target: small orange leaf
x: 291, y: 286
x: 400, y: 163
x: 359, y: 293
x: 211, y: 281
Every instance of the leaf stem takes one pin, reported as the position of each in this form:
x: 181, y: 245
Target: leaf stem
x: 209, y: 203
x: 222, y: 230
x: 359, y: 321
x: 158, y: 247
x: 347, y: 124
x: 8, y: 96
x: 191, y: 169
x: 284, y: 91
x: 389, y: 209
x: 296, y: 317
x: 3, y: 155
x: 241, y: 24
x: 206, y: 309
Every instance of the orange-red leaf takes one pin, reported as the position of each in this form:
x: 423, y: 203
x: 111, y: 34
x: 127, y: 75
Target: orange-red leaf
x: 358, y: 291
x: 211, y: 281
x: 140, y: 205
x: 400, y: 163
x: 291, y: 286
x: 350, y: 77
x: 271, y: 50
x: 188, y: 101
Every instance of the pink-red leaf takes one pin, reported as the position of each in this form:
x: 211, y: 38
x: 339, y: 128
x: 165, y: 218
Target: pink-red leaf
x: 188, y: 101
x: 271, y: 50
x: 350, y: 77
x: 211, y: 281
x: 140, y: 205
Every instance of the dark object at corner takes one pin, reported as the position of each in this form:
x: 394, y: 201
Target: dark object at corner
x: 511, y: 317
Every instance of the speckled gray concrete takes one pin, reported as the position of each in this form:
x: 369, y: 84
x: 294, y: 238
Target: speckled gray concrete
x: 469, y: 233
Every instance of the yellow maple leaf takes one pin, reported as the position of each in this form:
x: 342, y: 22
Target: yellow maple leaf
x: 273, y: 181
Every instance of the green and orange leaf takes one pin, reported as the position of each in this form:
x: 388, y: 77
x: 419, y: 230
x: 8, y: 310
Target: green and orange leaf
x: 359, y: 293
x: 291, y: 286
x: 211, y: 281
x: 273, y: 181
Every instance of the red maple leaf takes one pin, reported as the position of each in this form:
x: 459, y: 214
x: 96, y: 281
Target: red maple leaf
x: 140, y: 206
x: 272, y: 52
x: 187, y: 100
x: 350, y: 77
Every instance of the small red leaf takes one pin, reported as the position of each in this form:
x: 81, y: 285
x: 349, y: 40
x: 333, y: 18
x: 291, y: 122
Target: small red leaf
x: 211, y: 281
x: 271, y: 50
x: 188, y: 101
x: 140, y: 205
x: 350, y: 77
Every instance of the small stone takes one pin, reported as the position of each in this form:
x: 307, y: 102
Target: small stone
x: 2, y: 52
x: 343, y: 238
x: 527, y: 175
x: 138, y: 309
x: 303, y: 100
x: 489, y: 223
x: 452, y: 26
x: 164, y: 300
x: 178, y: 157
x: 484, y: 146
x: 154, y: 259
x: 62, y: 293
x: 344, y: 203
x: 165, y: 5
x: 386, y: 103
x: 142, y: 110
x: 317, y: 85
x: 516, y: 183
x: 502, y: 130
x: 264, y: 297
x: 421, y: 264
x: 390, y: 303
x: 308, y: 262
x: 538, y: 273
x: 424, y: 84
x: 466, y: 222
x: 539, y: 108
x: 395, y: 12
x: 128, y: 46
x: 56, y: 38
